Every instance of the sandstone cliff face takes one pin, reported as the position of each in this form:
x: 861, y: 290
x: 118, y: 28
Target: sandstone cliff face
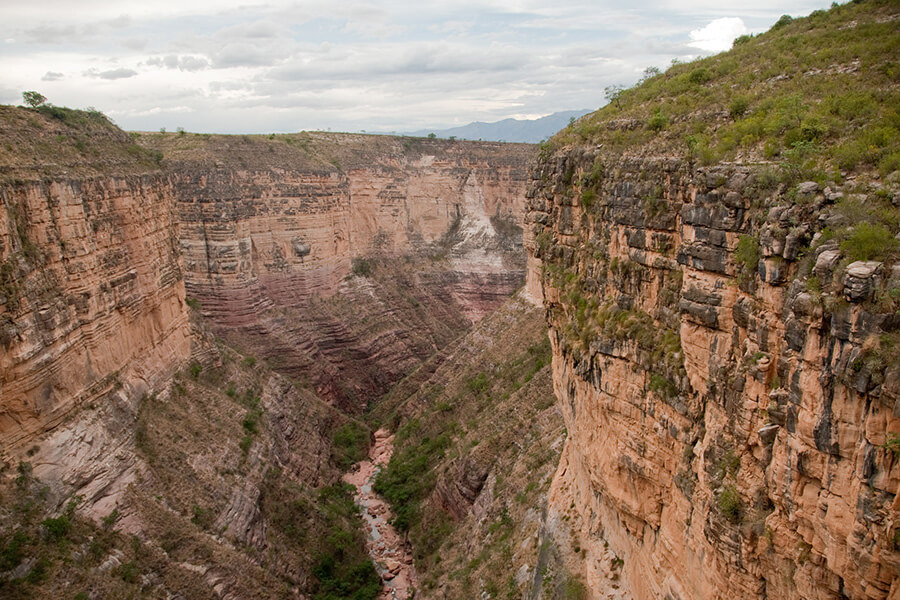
x: 731, y: 424
x: 92, y: 298
x: 269, y: 227
x: 100, y: 242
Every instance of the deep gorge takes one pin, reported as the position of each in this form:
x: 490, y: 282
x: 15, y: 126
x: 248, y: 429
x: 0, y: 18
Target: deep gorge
x: 651, y: 358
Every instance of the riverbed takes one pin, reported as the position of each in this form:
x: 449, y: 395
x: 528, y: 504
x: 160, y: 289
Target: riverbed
x: 389, y: 550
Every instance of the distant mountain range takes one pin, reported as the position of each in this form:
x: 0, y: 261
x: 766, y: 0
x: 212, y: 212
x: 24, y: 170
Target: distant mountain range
x: 508, y: 130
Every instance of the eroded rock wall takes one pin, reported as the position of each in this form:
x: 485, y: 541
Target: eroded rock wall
x: 729, y: 421
x: 92, y: 297
x: 265, y: 244
x: 258, y: 236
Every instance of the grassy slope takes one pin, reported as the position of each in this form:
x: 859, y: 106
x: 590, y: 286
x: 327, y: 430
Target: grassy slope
x: 483, y: 408
x: 58, y: 142
x: 815, y: 94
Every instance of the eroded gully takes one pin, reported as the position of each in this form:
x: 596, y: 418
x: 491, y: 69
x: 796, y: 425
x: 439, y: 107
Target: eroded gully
x: 389, y: 551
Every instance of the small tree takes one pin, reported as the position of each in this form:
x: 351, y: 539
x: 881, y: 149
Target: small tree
x: 613, y: 93
x: 34, y: 99
x: 650, y: 73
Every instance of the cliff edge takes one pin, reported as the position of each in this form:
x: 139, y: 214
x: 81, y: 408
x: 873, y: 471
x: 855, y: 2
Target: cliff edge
x: 718, y: 254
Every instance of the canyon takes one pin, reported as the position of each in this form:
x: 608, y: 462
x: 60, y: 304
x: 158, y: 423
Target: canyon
x: 652, y: 358
x: 237, y: 301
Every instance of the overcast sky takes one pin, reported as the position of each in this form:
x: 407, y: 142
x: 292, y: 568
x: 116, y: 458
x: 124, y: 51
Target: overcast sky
x: 259, y: 66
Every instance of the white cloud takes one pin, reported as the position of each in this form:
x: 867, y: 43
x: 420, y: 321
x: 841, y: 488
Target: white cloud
x: 718, y: 35
x: 183, y: 63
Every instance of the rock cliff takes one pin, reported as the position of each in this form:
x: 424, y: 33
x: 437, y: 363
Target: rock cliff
x: 271, y: 225
x: 92, y: 295
x: 165, y: 460
x: 724, y: 335
x: 102, y: 240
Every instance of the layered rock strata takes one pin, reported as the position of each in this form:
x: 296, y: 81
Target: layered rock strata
x: 727, y: 377
x: 101, y: 240
x: 271, y: 226
x: 92, y: 297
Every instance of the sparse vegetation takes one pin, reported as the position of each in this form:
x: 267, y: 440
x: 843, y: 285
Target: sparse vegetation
x: 866, y: 241
x: 408, y: 477
x: 893, y: 444
x: 360, y: 267
x: 747, y: 255
x: 800, y: 88
x: 349, y: 444
x: 729, y: 502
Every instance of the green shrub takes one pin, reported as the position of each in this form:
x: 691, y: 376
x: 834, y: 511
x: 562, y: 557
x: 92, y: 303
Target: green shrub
x: 349, y: 444
x: 747, y: 253
x: 738, y: 106
x: 360, y: 267
x: 784, y: 20
x: 729, y: 503
x: 662, y: 386
x: 251, y: 422
x: 196, y: 369
x: 477, y: 383
x: 868, y: 241
x: 658, y: 121
x: 575, y: 590
x: 699, y: 76
x: 13, y: 551
x: 57, y: 529
x: 129, y: 572
x: 38, y: 572
x: 588, y: 197
x: 202, y: 517
x: 893, y: 444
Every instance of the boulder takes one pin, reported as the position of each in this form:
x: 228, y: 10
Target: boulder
x: 826, y: 262
x: 861, y: 280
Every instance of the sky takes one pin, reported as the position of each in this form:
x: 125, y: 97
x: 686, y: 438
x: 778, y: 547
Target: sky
x: 261, y: 66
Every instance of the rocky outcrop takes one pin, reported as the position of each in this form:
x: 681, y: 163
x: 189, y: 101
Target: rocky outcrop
x: 727, y: 379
